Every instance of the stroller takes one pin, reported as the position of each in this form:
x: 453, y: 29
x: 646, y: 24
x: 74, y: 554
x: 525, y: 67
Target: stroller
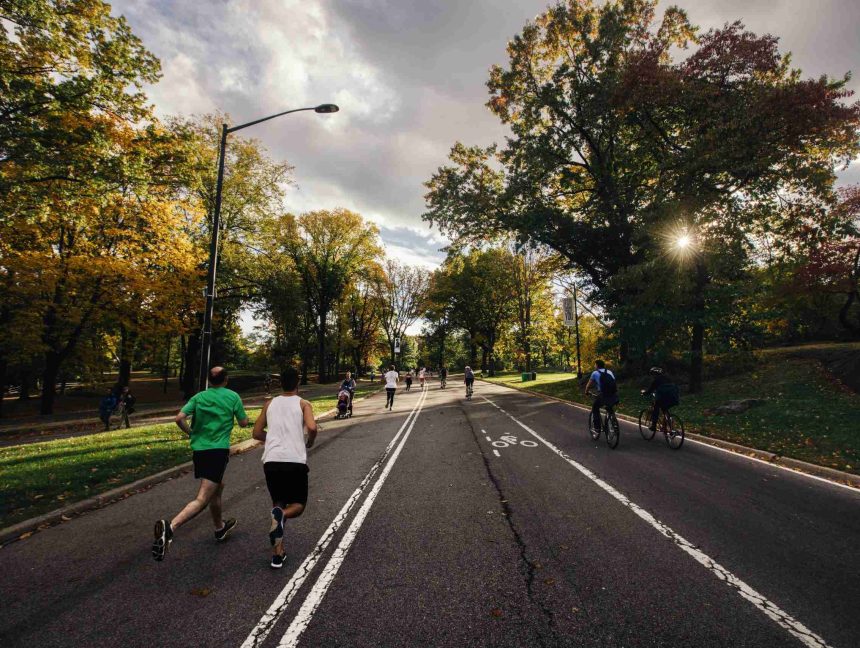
x: 344, y: 404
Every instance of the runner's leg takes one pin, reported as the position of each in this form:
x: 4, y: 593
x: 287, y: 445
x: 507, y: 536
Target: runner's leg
x: 192, y: 509
x: 215, y: 507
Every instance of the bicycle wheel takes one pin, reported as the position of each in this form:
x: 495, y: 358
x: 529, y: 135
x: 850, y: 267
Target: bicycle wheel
x: 613, y: 430
x: 644, y: 424
x: 593, y: 430
x: 674, y: 431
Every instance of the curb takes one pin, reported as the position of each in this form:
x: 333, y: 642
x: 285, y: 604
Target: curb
x: 26, y: 528
x: 796, y: 465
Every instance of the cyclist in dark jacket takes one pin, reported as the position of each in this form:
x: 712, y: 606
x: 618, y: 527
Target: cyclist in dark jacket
x: 665, y: 394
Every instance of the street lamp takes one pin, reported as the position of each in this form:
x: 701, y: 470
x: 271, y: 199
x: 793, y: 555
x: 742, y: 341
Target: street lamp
x: 206, y: 341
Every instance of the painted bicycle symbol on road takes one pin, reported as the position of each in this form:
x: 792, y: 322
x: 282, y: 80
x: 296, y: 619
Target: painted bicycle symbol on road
x: 508, y: 440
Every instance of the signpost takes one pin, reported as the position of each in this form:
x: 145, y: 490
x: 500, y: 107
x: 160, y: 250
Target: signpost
x: 571, y: 320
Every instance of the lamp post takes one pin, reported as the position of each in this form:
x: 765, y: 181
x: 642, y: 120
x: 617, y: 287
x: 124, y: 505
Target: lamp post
x: 206, y: 340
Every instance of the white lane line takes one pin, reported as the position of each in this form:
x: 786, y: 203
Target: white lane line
x: 267, y: 622
x: 788, y: 469
x: 318, y: 592
x: 793, y: 471
x: 769, y: 608
x: 496, y: 452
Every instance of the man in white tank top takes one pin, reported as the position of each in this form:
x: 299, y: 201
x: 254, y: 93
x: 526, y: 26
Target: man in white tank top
x: 281, y: 426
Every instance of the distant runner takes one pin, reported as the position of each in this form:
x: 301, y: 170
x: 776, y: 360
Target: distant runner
x: 213, y: 412
x: 421, y: 374
x: 281, y: 425
x: 391, y: 379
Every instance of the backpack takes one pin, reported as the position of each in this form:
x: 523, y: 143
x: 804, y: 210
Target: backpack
x: 608, y: 386
x: 668, y: 395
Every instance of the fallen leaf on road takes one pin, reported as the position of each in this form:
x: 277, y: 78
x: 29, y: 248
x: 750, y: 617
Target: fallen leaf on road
x: 24, y: 536
x: 496, y: 612
x: 549, y: 581
x: 65, y: 518
x: 202, y: 592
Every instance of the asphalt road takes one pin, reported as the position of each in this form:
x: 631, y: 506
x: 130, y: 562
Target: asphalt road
x: 491, y: 522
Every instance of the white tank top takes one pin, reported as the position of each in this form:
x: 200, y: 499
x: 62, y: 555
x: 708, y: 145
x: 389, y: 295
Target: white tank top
x: 285, y: 438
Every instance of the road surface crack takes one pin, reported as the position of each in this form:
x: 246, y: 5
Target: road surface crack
x: 528, y: 566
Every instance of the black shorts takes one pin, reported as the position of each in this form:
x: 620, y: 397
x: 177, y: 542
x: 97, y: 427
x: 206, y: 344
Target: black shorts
x: 211, y: 464
x: 287, y: 482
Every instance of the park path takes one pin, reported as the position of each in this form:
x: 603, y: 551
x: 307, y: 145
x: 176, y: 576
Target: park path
x: 490, y: 522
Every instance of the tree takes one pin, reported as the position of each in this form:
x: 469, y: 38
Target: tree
x: 479, y: 290
x: 403, y: 291
x: 531, y: 270
x: 613, y: 139
x: 328, y: 247
x: 363, y: 306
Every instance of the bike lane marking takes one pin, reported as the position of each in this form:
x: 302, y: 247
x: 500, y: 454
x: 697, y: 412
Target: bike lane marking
x: 766, y: 606
x: 261, y: 631
x: 315, y: 596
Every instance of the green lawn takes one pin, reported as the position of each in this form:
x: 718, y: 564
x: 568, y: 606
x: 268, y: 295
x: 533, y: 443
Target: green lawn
x: 807, y: 415
x: 41, y: 477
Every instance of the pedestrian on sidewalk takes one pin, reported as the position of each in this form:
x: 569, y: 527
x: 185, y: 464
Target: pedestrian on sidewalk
x: 281, y: 425
x: 107, y: 405
x: 213, y: 412
x: 126, y: 406
x: 391, y: 380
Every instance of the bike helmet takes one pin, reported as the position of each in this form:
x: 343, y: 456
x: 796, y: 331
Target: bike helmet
x: 655, y: 371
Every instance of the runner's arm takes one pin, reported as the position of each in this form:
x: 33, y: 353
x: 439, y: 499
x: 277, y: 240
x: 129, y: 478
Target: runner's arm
x: 259, y: 431
x: 310, y: 423
x: 182, y: 422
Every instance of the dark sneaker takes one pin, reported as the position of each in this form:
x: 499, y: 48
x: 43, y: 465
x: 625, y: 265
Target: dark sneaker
x: 163, y: 537
x: 221, y: 533
x: 277, y: 562
x: 277, y: 530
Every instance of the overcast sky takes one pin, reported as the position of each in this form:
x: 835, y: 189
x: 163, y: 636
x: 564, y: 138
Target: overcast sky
x: 409, y: 77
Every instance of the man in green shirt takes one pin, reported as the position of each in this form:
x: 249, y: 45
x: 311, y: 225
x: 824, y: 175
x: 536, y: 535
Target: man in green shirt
x: 212, y: 412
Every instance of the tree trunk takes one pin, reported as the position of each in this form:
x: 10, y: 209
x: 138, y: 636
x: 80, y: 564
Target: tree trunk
x: 698, y: 335
x: 181, y: 357
x: 26, y: 385
x: 3, y: 365
x: 844, y: 311
x: 126, y: 350
x: 321, y: 359
x: 166, y: 372
x: 192, y: 365
x: 49, y: 380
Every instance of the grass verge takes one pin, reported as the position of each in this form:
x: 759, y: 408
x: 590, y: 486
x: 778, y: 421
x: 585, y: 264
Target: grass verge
x: 806, y: 415
x: 42, y: 477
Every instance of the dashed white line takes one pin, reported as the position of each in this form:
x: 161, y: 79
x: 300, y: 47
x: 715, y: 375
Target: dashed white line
x: 264, y: 627
x: 315, y: 596
x: 496, y: 452
x: 768, y: 607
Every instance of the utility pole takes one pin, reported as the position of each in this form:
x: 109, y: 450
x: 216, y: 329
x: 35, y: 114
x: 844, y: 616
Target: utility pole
x: 576, y: 328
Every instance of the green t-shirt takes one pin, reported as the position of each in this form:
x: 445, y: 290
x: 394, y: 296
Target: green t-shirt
x: 213, y: 411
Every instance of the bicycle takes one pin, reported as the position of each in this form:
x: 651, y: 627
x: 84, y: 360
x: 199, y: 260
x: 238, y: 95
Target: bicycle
x: 608, y: 424
x: 670, y: 425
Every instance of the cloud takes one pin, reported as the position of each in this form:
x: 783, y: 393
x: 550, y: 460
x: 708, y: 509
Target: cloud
x: 409, y: 76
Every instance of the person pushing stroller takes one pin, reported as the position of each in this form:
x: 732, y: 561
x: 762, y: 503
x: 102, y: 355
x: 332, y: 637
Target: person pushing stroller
x: 347, y: 385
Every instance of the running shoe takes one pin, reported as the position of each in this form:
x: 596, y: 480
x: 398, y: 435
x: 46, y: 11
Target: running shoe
x: 163, y: 538
x: 277, y: 530
x: 277, y: 561
x: 221, y: 533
